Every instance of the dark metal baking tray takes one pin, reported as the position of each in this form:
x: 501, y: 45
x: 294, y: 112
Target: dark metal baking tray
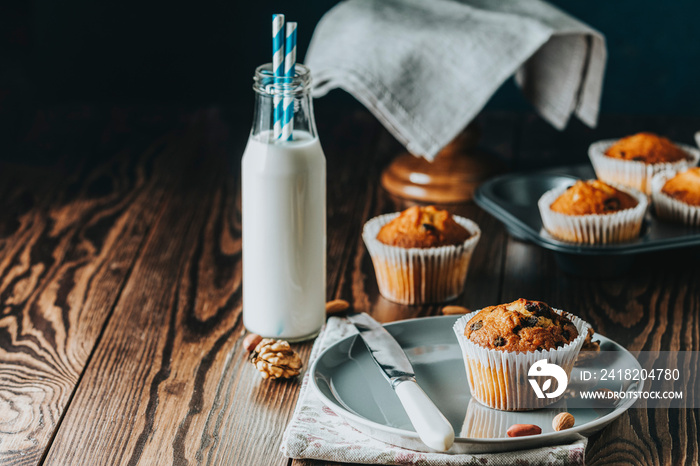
x: 512, y: 199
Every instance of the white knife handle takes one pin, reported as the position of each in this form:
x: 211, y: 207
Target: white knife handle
x: 432, y: 427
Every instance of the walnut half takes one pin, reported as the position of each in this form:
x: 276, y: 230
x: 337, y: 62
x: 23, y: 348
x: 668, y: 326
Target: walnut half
x: 275, y: 359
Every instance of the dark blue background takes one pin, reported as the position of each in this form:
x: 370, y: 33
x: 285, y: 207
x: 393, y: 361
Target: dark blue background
x: 653, y: 55
x: 204, y: 52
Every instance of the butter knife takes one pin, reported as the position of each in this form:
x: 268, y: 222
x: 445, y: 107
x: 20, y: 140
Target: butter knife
x: 431, y: 425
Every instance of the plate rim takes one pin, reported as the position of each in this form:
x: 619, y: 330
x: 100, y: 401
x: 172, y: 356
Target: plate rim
x: 581, y: 430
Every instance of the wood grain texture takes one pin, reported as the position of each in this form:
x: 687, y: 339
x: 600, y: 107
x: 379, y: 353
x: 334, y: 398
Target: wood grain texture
x: 120, y: 310
x: 653, y: 307
x: 172, y: 324
x: 179, y: 337
x: 67, y: 248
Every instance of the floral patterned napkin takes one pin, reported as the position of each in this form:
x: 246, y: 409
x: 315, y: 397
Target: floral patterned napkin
x: 316, y: 432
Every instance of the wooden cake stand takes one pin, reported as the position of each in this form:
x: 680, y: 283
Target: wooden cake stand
x: 457, y: 170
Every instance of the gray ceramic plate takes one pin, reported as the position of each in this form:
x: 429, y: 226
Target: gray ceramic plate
x: 349, y: 383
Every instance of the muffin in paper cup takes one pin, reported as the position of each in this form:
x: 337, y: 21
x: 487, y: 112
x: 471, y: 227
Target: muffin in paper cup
x: 632, y: 173
x: 616, y: 227
x: 499, y: 379
x: 669, y: 208
x: 419, y: 275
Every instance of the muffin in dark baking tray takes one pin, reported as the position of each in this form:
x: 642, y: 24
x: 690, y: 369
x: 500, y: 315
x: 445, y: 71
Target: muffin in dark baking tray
x: 676, y: 196
x: 593, y: 212
x: 634, y: 160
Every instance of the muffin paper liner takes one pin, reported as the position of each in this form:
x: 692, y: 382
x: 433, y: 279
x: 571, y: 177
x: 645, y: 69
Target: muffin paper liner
x: 616, y: 227
x: 669, y: 208
x: 631, y: 173
x: 499, y: 379
x: 419, y: 275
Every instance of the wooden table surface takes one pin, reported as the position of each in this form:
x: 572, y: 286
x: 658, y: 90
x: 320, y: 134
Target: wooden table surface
x: 120, y: 284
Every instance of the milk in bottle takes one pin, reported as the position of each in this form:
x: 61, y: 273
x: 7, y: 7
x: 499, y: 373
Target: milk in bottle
x: 284, y: 217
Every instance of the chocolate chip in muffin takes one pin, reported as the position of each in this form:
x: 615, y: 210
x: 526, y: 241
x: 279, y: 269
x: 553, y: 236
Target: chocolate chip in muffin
x: 566, y: 334
x: 429, y: 227
x: 533, y: 307
x: 476, y: 325
x: 499, y: 341
x: 530, y: 321
x: 540, y: 309
x: 611, y: 204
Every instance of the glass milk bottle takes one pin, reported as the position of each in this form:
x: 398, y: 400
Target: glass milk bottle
x: 284, y: 216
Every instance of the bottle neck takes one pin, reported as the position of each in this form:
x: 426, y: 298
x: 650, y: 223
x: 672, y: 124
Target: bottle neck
x: 269, y: 91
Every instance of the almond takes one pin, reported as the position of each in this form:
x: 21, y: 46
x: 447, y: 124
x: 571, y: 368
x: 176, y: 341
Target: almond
x: 337, y: 306
x: 563, y: 421
x: 251, y: 341
x: 454, y: 310
x: 522, y: 430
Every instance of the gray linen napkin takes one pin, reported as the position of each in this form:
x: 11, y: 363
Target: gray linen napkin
x: 426, y: 68
x: 316, y: 432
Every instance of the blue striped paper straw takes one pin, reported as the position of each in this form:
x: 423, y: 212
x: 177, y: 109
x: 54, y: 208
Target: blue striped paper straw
x: 277, y: 70
x: 290, y: 61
